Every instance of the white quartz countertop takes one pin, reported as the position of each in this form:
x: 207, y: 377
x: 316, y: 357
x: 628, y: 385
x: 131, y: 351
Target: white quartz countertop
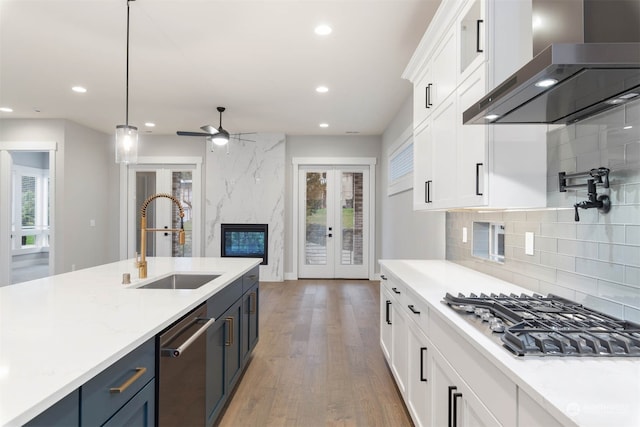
x: 584, y: 391
x: 58, y: 332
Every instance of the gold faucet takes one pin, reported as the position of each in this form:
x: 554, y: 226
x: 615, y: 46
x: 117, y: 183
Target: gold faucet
x: 142, y: 263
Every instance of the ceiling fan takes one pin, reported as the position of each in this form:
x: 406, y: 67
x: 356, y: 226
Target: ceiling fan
x: 219, y: 136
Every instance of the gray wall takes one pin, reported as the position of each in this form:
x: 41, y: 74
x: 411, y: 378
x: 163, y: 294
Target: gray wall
x: 84, y: 189
x: 595, y: 261
x: 326, y: 146
x: 406, y: 234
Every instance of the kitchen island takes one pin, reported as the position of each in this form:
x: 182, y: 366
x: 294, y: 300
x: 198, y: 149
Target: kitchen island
x: 59, y: 332
x: 494, y: 386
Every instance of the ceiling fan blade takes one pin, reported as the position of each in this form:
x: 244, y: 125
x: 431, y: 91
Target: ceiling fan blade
x: 210, y: 129
x: 184, y: 133
x: 237, y: 138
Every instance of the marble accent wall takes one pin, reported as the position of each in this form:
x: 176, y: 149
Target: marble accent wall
x: 246, y: 186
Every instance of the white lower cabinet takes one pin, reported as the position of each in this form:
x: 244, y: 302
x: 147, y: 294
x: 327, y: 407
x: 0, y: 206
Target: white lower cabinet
x: 419, y: 374
x: 454, y: 403
x: 443, y: 379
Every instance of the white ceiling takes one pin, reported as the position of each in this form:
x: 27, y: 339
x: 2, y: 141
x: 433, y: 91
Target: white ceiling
x: 259, y: 59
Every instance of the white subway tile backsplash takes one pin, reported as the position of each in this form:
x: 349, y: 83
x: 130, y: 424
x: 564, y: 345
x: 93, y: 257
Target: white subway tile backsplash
x: 600, y: 270
x: 595, y: 261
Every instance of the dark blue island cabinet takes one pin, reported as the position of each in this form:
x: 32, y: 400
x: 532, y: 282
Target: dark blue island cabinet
x: 230, y: 340
x: 65, y: 413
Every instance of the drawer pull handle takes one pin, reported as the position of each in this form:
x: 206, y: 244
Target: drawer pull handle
x: 252, y: 303
x: 450, y: 400
x: 413, y: 309
x: 229, y: 321
x: 388, y: 312
x: 383, y: 277
x: 395, y: 290
x: 423, y: 350
x: 139, y: 372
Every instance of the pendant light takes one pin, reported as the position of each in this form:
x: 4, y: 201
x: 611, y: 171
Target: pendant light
x: 126, y: 135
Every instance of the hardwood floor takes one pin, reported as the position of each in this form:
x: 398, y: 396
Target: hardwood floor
x: 318, y: 361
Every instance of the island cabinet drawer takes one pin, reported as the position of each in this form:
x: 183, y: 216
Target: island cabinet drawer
x: 250, y: 278
x: 107, y: 392
x: 220, y: 302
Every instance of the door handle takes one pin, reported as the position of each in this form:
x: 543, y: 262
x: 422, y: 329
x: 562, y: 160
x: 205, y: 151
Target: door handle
x: 229, y: 321
x: 388, y: 312
x: 422, y: 351
x: 450, y: 401
x: 478, y: 22
x: 455, y: 408
x: 176, y: 352
x: 478, y: 165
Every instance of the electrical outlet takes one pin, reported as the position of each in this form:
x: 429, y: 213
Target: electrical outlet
x: 464, y: 234
x: 528, y: 243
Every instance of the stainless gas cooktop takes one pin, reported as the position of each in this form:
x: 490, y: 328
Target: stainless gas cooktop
x: 535, y: 325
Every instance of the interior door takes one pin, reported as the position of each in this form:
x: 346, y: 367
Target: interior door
x: 162, y: 213
x: 334, y: 222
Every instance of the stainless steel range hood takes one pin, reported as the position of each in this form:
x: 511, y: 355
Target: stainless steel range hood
x: 567, y: 82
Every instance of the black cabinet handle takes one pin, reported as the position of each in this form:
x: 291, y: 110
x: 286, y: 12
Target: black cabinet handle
x: 388, y: 312
x: 455, y: 408
x: 395, y: 290
x: 413, y: 309
x: 478, y: 22
x: 478, y: 165
x: 427, y: 191
x: 450, y: 400
x: 426, y: 96
x: 422, y: 352
x: 383, y: 277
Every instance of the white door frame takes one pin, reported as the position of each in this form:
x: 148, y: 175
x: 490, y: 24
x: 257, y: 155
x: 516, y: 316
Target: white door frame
x: 127, y: 207
x: 5, y: 201
x: 333, y: 161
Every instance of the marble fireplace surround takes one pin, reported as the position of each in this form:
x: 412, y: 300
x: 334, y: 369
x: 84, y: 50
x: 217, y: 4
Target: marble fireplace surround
x: 247, y: 186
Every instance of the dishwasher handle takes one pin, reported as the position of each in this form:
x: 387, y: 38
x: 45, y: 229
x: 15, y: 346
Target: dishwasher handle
x: 176, y: 352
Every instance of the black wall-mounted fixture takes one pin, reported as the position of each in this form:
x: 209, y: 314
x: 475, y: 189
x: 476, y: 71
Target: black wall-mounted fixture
x: 594, y: 177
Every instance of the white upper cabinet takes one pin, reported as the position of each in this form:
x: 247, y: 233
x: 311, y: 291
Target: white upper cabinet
x: 469, y: 48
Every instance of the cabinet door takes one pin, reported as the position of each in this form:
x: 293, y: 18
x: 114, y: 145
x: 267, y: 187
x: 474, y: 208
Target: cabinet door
x: 233, y: 344
x: 471, y: 26
x: 386, y: 321
x: 444, y: 70
x: 472, y: 186
x: 250, y: 302
x: 443, y: 188
x: 139, y: 411
x: 399, y: 338
x: 422, y: 97
x: 215, y: 389
x: 65, y: 413
x: 422, y: 168
x: 454, y: 404
x: 418, y: 377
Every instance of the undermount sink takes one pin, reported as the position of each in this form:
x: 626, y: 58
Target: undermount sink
x: 180, y: 281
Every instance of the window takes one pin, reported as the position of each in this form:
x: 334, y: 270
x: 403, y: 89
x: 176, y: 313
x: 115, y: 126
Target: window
x: 401, y: 164
x: 30, y: 217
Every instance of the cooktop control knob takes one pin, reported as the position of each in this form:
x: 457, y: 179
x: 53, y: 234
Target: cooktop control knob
x: 496, y: 325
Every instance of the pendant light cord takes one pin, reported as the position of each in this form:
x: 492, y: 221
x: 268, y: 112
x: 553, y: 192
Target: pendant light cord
x: 126, y: 120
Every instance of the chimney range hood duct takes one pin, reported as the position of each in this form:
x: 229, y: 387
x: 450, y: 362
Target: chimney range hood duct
x: 567, y: 82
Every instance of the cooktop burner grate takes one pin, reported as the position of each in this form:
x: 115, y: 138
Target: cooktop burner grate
x: 548, y: 326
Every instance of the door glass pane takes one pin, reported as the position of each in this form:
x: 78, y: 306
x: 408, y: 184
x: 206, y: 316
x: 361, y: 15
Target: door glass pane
x: 316, y: 219
x: 182, y: 189
x: 145, y: 187
x: 351, y: 204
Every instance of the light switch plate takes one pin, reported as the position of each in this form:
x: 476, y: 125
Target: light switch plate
x: 528, y: 243
x: 464, y: 234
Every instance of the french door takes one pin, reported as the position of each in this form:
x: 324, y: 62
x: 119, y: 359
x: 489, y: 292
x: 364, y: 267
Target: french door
x: 333, y: 219
x: 180, y: 181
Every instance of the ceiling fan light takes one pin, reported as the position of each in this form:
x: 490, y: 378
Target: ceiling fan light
x: 221, y: 138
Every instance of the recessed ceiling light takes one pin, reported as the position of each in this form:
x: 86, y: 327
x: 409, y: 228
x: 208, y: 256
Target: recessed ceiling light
x: 323, y: 30
x: 324, y: 125
x: 546, y: 83
x: 6, y: 109
x: 322, y: 89
x: 491, y: 117
x: 149, y: 124
x: 79, y: 89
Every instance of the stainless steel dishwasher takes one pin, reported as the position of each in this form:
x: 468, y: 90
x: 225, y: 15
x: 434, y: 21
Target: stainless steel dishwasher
x: 182, y: 371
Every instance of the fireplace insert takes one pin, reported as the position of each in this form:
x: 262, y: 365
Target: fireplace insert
x: 245, y: 241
